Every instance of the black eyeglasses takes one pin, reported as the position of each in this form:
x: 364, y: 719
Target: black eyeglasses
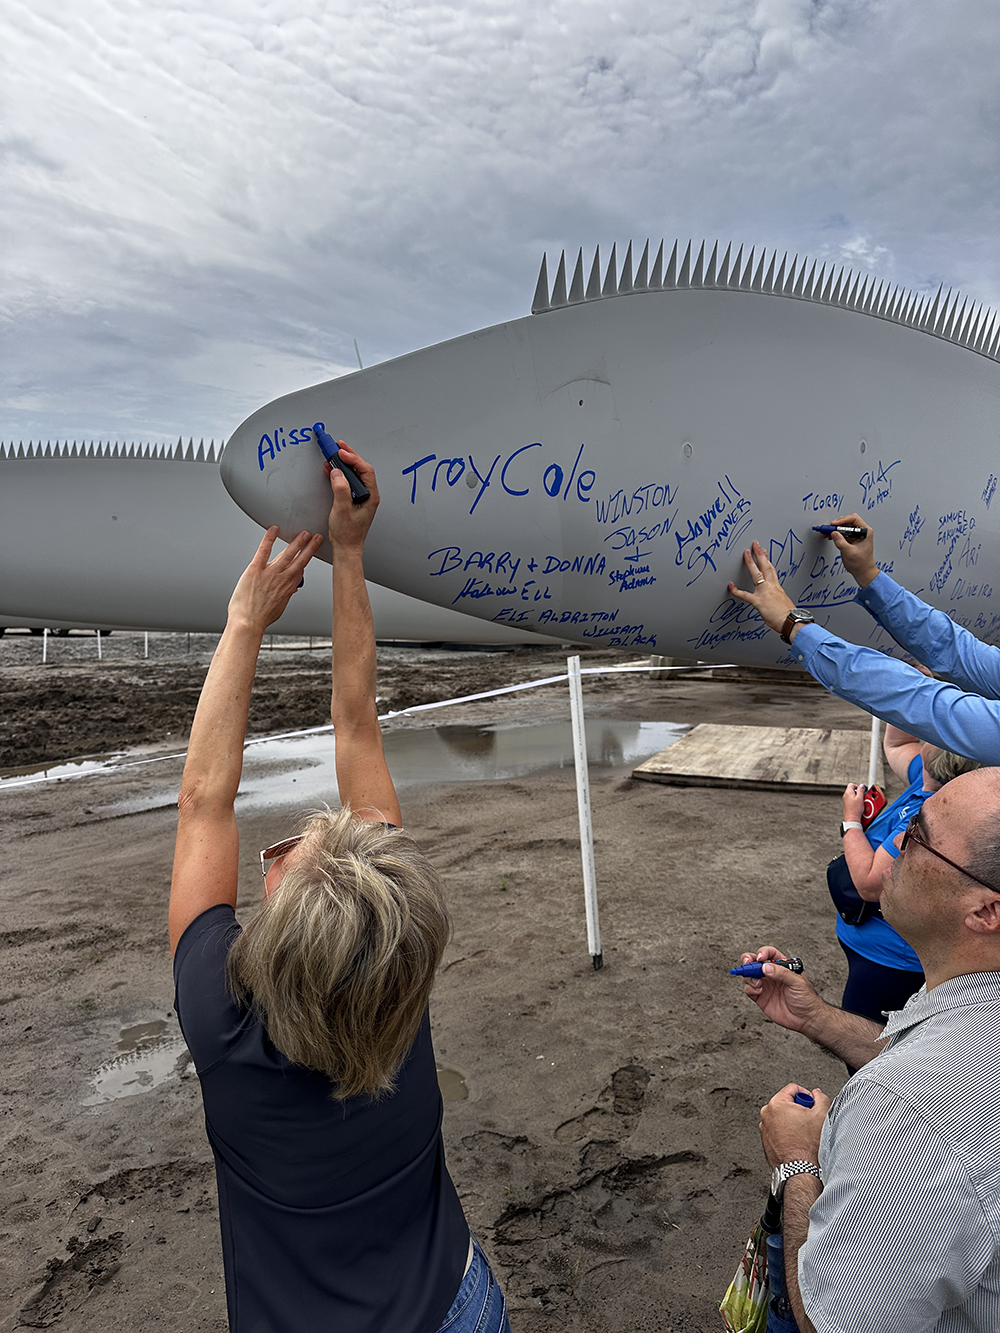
x: 911, y: 835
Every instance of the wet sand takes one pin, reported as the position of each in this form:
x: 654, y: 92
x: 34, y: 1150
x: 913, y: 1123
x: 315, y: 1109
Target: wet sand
x: 607, y: 1152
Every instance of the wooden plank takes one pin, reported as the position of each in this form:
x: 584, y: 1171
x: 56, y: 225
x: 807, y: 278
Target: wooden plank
x: 764, y: 758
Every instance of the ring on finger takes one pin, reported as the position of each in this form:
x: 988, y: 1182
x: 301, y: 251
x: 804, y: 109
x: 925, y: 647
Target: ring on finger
x: 759, y: 582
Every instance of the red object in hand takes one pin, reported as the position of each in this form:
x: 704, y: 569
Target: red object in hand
x: 874, y: 802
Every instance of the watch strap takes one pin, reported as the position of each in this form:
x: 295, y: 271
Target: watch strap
x: 795, y: 617
x: 850, y: 823
x: 786, y: 1170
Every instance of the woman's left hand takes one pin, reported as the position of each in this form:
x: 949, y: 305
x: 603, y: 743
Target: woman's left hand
x: 768, y: 597
x: 854, y: 801
x: 266, y: 586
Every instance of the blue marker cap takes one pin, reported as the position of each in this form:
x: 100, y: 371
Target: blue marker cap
x: 331, y: 452
x: 756, y: 969
x: 747, y: 970
x: 327, y: 443
x: 804, y: 1099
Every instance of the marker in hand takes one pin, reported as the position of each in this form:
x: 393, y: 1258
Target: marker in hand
x: 331, y: 452
x: 853, y: 535
x: 757, y: 969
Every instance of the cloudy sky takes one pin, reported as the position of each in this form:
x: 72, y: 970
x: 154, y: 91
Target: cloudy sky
x: 205, y: 203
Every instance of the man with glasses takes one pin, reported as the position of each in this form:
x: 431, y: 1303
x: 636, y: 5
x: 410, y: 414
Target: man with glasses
x: 891, y: 1193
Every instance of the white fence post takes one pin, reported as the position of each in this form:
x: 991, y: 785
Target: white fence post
x: 100, y: 652
x: 145, y: 643
x: 583, y: 809
x: 873, y: 753
x: 45, y: 644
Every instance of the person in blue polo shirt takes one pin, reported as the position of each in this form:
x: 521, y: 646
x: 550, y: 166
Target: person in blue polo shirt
x: 883, y: 970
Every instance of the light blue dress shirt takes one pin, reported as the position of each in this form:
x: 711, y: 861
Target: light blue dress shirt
x: 963, y: 716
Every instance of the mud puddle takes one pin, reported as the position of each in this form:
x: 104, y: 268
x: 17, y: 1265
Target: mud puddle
x: 151, y: 1053
x: 453, y: 1086
x: 301, y: 769
x: 72, y: 768
x: 148, y: 1055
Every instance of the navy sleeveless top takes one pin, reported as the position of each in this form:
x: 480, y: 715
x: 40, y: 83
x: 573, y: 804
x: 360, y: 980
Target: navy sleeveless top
x: 336, y: 1216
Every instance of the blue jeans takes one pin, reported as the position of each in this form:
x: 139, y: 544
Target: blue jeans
x: 780, y: 1318
x: 479, y: 1306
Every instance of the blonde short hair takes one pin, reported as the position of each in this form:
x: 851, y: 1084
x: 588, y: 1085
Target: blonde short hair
x: 943, y: 765
x: 338, y: 962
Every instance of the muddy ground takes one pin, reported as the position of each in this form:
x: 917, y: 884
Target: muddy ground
x: 607, y: 1153
x: 78, y: 705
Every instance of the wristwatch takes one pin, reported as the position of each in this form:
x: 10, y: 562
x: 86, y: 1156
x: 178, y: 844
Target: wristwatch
x: 845, y: 824
x: 788, y: 1169
x: 796, y: 617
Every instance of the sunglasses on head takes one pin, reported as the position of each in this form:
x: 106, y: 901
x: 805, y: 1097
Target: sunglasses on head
x: 912, y: 835
x: 279, y: 849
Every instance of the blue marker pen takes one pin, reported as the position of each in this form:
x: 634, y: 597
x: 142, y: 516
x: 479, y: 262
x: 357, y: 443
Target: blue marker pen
x: 757, y: 969
x: 852, y: 534
x: 331, y: 452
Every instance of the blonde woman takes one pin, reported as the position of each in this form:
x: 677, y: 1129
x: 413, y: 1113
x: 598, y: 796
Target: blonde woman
x: 309, y: 1026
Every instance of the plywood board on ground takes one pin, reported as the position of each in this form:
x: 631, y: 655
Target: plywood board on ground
x: 767, y: 758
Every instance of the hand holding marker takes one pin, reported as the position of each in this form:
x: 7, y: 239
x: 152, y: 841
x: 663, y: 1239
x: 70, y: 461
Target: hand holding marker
x: 757, y: 969
x: 331, y: 452
x: 848, y: 532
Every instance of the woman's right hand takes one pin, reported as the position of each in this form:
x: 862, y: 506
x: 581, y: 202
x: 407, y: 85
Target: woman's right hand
x: 349, y: 522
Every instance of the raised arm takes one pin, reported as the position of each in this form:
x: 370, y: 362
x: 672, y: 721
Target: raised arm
x: 362, y: 774
x: 901, y: 748
x: 867, y: 864
x: 206, y: 853
x: 962, y: 722
x: 930, y: 635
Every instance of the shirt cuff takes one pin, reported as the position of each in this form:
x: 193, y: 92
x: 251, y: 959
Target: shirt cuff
x: 879, y: 595
x: 808, y: 639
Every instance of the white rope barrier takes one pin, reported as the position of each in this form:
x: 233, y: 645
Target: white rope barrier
x: 12, y: 783
x: 548, y: 680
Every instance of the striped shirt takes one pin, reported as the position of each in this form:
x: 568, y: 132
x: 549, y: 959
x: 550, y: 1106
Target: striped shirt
x: 906, y: 1234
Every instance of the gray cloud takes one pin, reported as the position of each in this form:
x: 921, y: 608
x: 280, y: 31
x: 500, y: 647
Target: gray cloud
x: 203, y: 209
